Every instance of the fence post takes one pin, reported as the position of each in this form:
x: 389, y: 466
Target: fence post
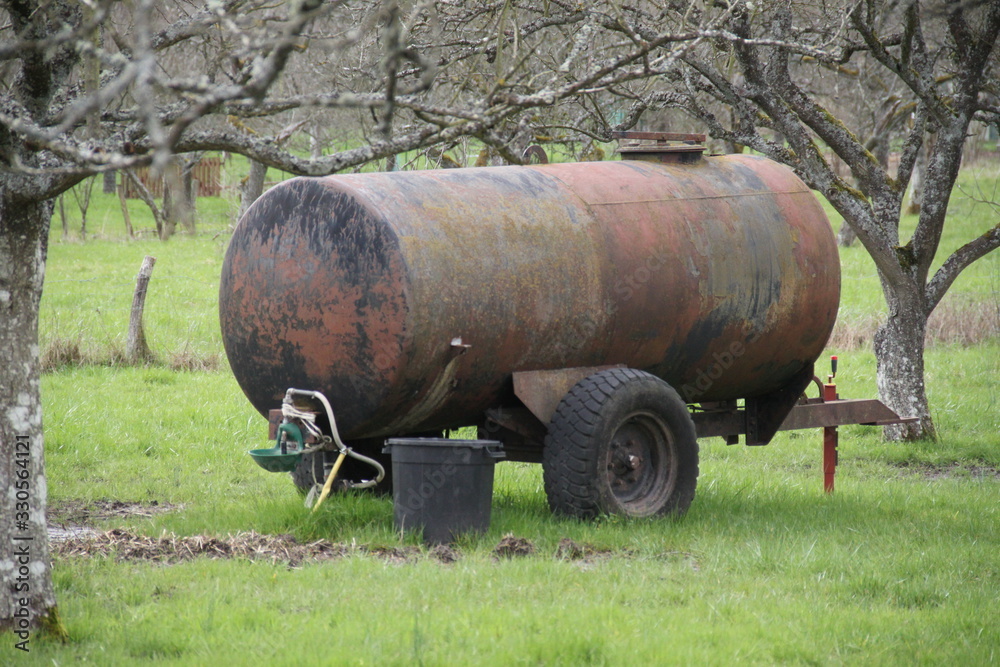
x: 136, y: 349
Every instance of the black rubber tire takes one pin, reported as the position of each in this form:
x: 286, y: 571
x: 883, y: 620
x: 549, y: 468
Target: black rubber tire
x: 307, y: 472
x: 311, y: 468
x: 621, y: 442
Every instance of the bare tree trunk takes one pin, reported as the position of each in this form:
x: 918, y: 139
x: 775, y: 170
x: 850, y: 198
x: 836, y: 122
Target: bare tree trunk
x: 62, y: 216
x: 166, y: 230
x: 393, y: 50
x: 83, y: 218
x: 179, y: 196
x: 110, y: 182
x: 136, y: 349
x: 173, y: 200
x: 917, y: 182
x: 899, y: 354
x: 315, y: 145
x: 147, y: 198
x: 125, y: 214
x: 252, y: 186
x: 846, y: 236
x: 523, y: 137
x: 82, y: 192
x: 28, y: 601
x: 189, y: 195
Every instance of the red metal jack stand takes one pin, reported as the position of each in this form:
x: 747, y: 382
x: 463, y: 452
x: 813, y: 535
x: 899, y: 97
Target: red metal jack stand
x: 826, y: 411
x: 830, y: 435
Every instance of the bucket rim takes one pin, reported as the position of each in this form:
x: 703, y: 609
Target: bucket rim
x: 443, y: 442
x: 400, y: 447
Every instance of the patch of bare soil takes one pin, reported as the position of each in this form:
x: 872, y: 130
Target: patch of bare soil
x: 76, y: 518
x: 513, y: 547
x: 123, y: 545
x: 57, y: 533
x: 396, y: 555
x: 87, y: 513
x: 951, y: 470
x: 126, y: 546
x: 445, y: 553
x: 570, y: 550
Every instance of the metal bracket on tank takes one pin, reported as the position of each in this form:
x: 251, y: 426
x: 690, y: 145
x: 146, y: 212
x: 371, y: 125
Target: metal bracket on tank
x: 761, y: 417
x: 541, y: 391
x: 765, y: 414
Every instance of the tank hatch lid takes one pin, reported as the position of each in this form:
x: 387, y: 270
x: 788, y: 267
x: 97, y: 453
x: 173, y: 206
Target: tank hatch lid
x: 660, y: 146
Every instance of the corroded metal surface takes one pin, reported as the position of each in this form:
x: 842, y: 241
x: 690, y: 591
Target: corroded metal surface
x: 541, y: 391
x: 815, y: 414
x: 411, y: 298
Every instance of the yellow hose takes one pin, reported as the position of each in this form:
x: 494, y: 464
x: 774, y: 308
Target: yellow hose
x: 329, y: 481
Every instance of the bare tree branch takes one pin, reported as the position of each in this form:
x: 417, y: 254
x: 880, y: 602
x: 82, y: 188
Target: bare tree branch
x: 958, y: 261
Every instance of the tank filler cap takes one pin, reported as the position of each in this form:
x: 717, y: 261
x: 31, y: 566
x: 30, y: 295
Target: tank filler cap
x: 660, y: 146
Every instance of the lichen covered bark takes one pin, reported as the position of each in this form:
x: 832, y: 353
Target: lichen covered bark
x: 27, y: 600
x: 899, y: 351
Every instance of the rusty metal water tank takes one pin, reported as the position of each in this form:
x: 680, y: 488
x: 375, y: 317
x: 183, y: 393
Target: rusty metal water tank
x: 411, y: 298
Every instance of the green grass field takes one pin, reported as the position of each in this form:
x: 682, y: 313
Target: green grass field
x: 900, y: 566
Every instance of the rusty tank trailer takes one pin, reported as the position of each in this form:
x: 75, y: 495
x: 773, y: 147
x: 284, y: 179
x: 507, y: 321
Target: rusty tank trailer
x: 572, y: 311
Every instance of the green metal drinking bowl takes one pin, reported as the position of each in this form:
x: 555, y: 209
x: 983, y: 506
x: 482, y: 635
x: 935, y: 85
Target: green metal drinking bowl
x: 279, y: 458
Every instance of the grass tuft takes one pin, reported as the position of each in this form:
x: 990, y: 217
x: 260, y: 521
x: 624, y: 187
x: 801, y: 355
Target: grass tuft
x: 185, y: 360
x: 62, y: 352
x: 72, y: 351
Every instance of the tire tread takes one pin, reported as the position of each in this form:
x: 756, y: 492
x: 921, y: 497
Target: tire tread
x: 570, y: 456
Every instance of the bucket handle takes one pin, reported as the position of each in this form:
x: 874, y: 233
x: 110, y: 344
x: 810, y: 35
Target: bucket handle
x: 495, y: 450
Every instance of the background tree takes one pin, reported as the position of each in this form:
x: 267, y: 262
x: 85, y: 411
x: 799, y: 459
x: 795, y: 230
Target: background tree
x: 939, y: 60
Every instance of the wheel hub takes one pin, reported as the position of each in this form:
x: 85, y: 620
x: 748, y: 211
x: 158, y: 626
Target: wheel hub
x: 638, y: 460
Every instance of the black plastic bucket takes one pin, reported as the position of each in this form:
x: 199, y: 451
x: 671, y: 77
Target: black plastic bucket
x: 443, y: 487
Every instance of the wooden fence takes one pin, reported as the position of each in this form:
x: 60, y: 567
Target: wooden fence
x: 208, y: 173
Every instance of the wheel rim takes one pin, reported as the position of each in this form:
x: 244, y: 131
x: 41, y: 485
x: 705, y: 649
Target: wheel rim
x: 640, y: 467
